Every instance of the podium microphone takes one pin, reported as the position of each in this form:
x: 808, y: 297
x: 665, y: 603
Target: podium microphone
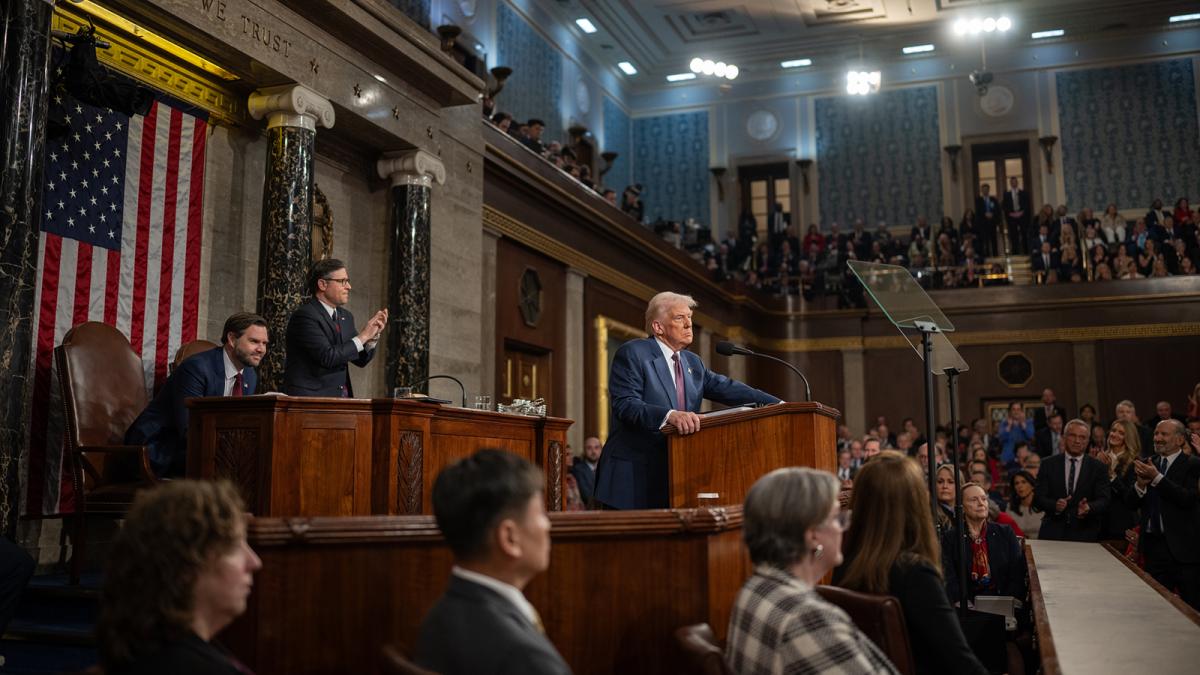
x: 443, y: 377
x: 730, y: 349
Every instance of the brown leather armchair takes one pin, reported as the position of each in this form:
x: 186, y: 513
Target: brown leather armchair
x: 880, y: 618
x: 191, y: 349
x: 394, y: 663
x: 702, y: 649
x: 103, y: 391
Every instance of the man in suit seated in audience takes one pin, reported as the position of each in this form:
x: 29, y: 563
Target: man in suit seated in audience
x: 1072, y: 489
x: 1166, y: 491
x: 1165, y: 412
x: 1049, y: 439
x: 492, y: 513
x: 227, y: 370
x: 584, y: 470
x: 1046, y: 259
x: 1048, y: 409
x: 321, y: 340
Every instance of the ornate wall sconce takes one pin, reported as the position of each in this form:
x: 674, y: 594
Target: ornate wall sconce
x: 449, y: 33
x: 609, y: 157
x: 718, y: 172
x: 501, y: 73
x: 804, y: 165
x: 1047, y: 143
x: 952, y: 151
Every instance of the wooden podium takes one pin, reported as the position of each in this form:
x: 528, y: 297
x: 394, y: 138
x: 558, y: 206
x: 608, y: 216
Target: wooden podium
x: 735, y: 448
x: 297, y: 456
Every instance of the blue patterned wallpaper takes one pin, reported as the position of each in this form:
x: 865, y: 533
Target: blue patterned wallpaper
x: 879, y: 157
x: 671, y: 163
x: 616, y: 138
x: 1129, y: 134
x: 535, y: 87
x: 417, y: 10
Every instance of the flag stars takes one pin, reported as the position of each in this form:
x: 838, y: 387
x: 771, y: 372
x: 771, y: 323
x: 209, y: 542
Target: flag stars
x: 96, y: 145
x: 116, y: 152
x: 62, y: 175
x: 108, y: 135
x: 75, y: 165
x: 49, y: 214
x: 54, y: 157
x: 53, y: 185
x: 106, y: 163
x: 92, y: 229
x: 83, y: 183
x: 103, y: 218
x: 58, y: 99
x: 112, y: 235
x: 93, y: 200
x: 99, y: 119
x: 88, y: 127
x: 78, y: 108
x: 118, y: 125
x: 71, y: 222
x: 104, y: 189
x: 72, y: 193
x: 87, y: 155
x: 61, y: 205
x: 82, y: 211
x: 112, y: 207
x: 95, y: 173
x: 67, y: 116
x: 76, y: 136
x: 114, y: 180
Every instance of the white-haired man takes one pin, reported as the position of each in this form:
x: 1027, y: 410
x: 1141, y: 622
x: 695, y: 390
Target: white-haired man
x: 655, y: 381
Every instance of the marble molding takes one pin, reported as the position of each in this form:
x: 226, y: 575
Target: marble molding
x: 25, y: 59
x: 412, y: 175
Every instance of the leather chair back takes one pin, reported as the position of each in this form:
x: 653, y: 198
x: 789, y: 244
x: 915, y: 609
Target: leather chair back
x: 702, y: 649
x: 880, y: 618
x: 103, y: 390
x: 394, y: 663
x: 191, y: 349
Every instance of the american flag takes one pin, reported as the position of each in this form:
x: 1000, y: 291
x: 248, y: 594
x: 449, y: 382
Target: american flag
x: 120, y: 243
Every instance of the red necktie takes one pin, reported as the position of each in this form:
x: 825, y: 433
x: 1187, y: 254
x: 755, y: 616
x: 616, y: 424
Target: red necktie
x: 237, y: 385
x: 679, y: 395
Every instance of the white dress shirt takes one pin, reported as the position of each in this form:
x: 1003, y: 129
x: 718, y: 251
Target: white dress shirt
x: 231, y: 373
x: 331, y: 311
x: 1157, y: 479
x: 506, y: 591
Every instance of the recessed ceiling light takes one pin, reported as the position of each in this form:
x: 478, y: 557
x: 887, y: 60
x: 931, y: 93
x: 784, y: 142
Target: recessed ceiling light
x: 627, y: 68
x: 795, y: 63
x: 680, y: 77
x: 585, y: 25
x: 917, y: 49
x: 380, y: 78
x: 1184, y: 17
x: 1057, y: 32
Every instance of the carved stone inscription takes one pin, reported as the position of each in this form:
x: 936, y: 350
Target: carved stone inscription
x: 259, y: 32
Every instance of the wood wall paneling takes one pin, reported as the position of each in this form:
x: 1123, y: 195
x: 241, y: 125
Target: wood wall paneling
x: 1053, y: 366
x: 823, y: 369
x: 895, y: 387
x: 542, y: 344
x: 601, y: 299
x: 1146, y: 372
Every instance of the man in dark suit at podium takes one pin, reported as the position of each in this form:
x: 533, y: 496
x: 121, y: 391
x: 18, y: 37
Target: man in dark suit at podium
x: 1072, y: 489
x: 321, y: 339
x: 227, y: 370
x: 653, y: 382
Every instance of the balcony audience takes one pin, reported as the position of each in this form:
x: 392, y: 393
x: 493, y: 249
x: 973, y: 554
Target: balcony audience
x: 892, y: 548
x: 179, y: 571
x: 779, y: 624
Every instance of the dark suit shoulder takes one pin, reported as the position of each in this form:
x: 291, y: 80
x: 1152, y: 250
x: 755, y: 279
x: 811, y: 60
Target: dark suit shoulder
x: 187, y: 656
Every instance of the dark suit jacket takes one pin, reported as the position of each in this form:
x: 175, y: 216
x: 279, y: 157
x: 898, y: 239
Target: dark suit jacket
x: 632, y: 473
x: 1040, y: 420
x: 1090, y: 484
x: 1009, y: 207
x: 1039, y: 265
x: 163, y: 425
x: 317, y: 355
x: 1005, y: 560
x: 585, y: 478
x: 937, y: 639
x: 981, y: 212
x: 473, y: 630
x: 1178, y: 505
x: 1044, y: 442
x: 1120, y: 515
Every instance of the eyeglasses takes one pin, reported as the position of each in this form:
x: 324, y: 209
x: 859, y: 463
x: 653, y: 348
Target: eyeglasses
x: 344, y: 282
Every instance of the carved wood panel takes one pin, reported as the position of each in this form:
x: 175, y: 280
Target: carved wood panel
x: 236, y: 459
x: 554, y: 472
x: 409, y: 461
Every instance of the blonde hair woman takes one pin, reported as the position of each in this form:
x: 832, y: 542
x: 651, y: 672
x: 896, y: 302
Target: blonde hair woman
x: 1124, y: 446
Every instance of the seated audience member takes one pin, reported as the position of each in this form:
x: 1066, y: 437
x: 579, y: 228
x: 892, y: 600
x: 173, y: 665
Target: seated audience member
x: 1166, y: 492
x: 845, y: 470
x: 1032, y: 464
x: 892, y: 548
x: 533, y: 135
x: 944, y: 484
x: 1049, y: 440
x: 227, y: 370
x: 779, y: 624
x: 1014, y: 428
x: 995, y: 564
x: 1087, y: 413
x: 179, y: 571
x: 1112, y: 225
x: 1021, y: 506
x: 502, y: 120
x: 1125, y: 410
x: 491, y: 511
x: 1163, y: 412
x: 1073, y: 489
x: 1123, y: 446
x: 984, y: 479
x: 585, y: 468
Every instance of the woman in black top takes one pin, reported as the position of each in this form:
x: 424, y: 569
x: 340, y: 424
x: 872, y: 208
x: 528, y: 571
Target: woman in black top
x: 180, y: 571
x: 891, y: 548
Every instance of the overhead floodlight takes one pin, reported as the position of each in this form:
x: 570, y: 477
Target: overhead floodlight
x: 1003, y: 24
x: 861, y: 83
x: 732, y: 72
x: 795, y: 63
x: 961, y: 27
x: 719, y: 69
x: 680, y: 77
x: 696, y: 65
x: 1184, y: 17
x: 1057, y: 32
x: 709, y: 67
x: 917, y: 49
x: 974, y: 26
x: 989, y: 25
x: 379, y: 77
x: 627, y: 68
x: 585, y: 25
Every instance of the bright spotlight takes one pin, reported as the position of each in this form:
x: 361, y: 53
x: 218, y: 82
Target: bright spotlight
x: 1003, y: 24
x: 719, y: 69
x: 709, y: 67
x: 961, y: 27
x: 989, y: 25
x: 732, y: 72
x: 861, y: 83
x: 974, y: 26
x: 586, y: 26
x: 696, y: 65
x: 627, y: 68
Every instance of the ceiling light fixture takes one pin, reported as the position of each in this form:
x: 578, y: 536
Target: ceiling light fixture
x: 696, y: 65
x: 720, y: 69
x: 977, y: 25
x: 586, y: 25
x: 861, y: 82
x: 1042, y: 34
x: 917, y: 49
x: 795, y: 63
x: 1184, y: 17
x: 627, y: 68
x: 680, y: 77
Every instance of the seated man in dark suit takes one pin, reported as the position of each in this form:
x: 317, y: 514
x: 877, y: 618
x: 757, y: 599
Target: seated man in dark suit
x: 1072, y: 489
x: 491, y: 510
x: 1049, y: 408
x: 1166, y: 492
x: 1049, y: 439
x: 653, y: 382
x: 321, y: 340
x: 227, y: 370
x: 1046, y: 259
x: 584, y: 469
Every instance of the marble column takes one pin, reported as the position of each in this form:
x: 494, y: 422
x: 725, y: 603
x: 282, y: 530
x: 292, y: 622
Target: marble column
x: 25, y: 58
x: 854, y: 387
x: 293, y: 113
x: 412, y: 174
x: 575, y: 362
x: 487, y: 310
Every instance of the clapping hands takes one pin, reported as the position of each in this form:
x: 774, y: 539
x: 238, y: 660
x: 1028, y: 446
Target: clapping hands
x: 370, y: 333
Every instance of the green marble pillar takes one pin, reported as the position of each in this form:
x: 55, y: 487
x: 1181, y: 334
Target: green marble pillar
x: 24, y: 57
x: 285, y: 251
